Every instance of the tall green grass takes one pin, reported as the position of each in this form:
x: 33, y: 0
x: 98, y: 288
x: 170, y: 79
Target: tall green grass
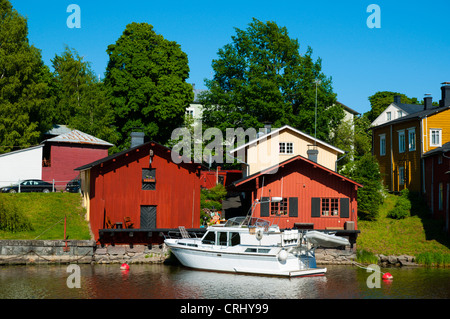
x: 437, y: 259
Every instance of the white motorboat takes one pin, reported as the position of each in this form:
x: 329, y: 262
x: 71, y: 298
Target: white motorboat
x: 248, y: 245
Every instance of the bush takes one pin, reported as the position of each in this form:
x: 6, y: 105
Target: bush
x: 402, y: 207
x: 12, y: 219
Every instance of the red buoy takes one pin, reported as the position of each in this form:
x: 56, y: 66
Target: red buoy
x: 125, y: 266
x: 387, y: 276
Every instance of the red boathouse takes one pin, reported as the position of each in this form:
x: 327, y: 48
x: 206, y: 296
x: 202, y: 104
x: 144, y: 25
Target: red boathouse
x: 140, y: 191
x: 313, y: 196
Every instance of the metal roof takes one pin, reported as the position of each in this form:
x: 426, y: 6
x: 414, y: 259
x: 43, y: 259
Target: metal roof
x: 78, y: 137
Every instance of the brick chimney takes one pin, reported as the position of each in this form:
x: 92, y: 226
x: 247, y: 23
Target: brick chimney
x: 445, y: 91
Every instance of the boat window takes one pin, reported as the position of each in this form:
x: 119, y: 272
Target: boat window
x: 222, y: 238
x: 235, y: 239
x: 251, y: 250
x: 209, y: 239
x: 258, y: 250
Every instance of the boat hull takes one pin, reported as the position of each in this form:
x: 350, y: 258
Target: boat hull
x: 238, y: 262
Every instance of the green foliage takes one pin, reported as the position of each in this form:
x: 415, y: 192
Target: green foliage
x: 438, y: 259
x: 12, y: 218
x: 146, y: 79
x: 402, y: 207
x: 262, y: 77
x: 82, y: 101
x: 366, y: 172
x: 211, y: 199
x: 25, y: 102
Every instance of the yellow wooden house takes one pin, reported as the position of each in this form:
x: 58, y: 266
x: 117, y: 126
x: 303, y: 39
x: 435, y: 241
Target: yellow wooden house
x: 399, y: 145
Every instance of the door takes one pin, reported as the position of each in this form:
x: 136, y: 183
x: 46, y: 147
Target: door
x: 148, y: 217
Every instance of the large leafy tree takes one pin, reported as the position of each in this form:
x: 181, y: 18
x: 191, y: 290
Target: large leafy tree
x: 381, y: 100
x: 82, y: 100
x: 261, y: 77
x: 25, y: 103
x: 146, y: 77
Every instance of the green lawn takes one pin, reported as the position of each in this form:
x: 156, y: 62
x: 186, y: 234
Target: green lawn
x: 46, y: 213
x: 410, y: 236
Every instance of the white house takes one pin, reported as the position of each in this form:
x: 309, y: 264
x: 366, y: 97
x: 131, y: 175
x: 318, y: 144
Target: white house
x: 396, y: 110
x: 20, y: 165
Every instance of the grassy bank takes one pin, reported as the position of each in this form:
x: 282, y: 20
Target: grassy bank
x: 45, y: 213
x: 417, y: 235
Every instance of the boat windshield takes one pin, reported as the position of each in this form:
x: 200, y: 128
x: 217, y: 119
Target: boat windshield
x: 243, y: 221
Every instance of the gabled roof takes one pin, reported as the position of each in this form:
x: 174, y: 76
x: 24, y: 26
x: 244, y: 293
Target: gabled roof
x: 289, y: 161
x: 117, y: 155
x: 416, y: 115
x: 291, y: 129
x: 439, y: 150
x: 78, y: 137
x: 409, y: 108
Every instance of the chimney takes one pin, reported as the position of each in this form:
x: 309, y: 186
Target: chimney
x: 312, y: 153
x: 397, y: 99
x: 427, y: 102
x: 137, y: 138
x: 445, y: 91
x: 267, y: 127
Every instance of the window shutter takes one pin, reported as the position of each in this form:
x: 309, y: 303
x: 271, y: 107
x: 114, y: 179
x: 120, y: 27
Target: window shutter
x: 293, y: 206
x: 265, y: 207
x: 345, y: 207
x: 315, y: 207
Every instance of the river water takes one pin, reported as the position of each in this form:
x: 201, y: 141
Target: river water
x: 157, y: 281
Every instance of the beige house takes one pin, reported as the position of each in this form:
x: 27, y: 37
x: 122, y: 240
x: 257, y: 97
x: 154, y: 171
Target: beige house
x: 278, y: 145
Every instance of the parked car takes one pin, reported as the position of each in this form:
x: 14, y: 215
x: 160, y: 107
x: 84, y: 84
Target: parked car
x: 74, y: 186
x: 29, y: 185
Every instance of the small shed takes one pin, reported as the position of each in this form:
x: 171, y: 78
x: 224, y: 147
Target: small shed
x: 141, y: 191
x: 313, y: 196
x: 63, y: 153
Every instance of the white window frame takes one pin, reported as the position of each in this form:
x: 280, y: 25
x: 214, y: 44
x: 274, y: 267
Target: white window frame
x: 399, y: 114
x: 382, y: 145
x: 401, y: 175
x: 433, y: 132
x: 412, y: 142
x: 388, y: 116
x: 401, y: 141
x: 286, y: 148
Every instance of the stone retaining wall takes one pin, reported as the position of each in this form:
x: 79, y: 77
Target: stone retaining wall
x: 130, y: 255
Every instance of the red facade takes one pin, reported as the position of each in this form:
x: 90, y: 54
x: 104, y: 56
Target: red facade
x: 63, y: 158
x: 437, y: 183
x: 153, y: 191
x: 210, y: 179
x: 313, y: 196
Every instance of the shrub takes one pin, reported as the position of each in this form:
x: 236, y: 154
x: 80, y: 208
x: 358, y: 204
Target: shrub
x: 366, y: 257
x: 12, y: 219
x: 402, y: 207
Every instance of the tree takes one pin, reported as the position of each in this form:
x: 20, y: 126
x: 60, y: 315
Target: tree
x: 82, y: 100
x: 25, y: 103
x: 261, y: 77
x: 146, y: 79
x: 381, y: 100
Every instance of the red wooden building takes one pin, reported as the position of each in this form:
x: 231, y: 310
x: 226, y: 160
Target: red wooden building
x: 144, y: 185
x: 63, y: 153
x: 436, y: 186
x: 211, y: 178
x: 314, y: 197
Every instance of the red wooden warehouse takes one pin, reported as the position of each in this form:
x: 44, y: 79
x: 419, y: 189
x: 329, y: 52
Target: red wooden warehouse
x: 313, y: 197
x: 65, y: 152
x: 141, y: 186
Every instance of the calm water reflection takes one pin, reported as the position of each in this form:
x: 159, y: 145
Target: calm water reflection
x: 171, y: 282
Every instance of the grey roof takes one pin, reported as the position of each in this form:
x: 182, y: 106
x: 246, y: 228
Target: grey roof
x: 443, y: 149
x: 409, y: 108
x: 78, y: 137
x: 59, y: 129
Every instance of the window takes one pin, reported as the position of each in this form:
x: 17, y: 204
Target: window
x: 441, y: 196
x: 190, y: 113
x: 382, y: 144
x: 399, y: 114
x: 388, y: 116
x: 411, y: 139
x: 435, y: 137
x: 330, y: 207
x: 148, y: 179
x: 440, y: 159
x: 210, y: 238
x: 401, y: 175
x: 279, y: 208
x: 401, y: 141
x: 286, y: 148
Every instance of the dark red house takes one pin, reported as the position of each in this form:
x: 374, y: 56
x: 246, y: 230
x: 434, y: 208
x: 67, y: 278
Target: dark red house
x: 313, y: 196
x: 63, y: 153
x: 145, y: 186
x: 213, y: 177
x: 436, y: 186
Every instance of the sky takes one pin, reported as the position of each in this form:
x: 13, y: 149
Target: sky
x: 408, y: 53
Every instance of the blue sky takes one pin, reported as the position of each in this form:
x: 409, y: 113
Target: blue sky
x: 408, y: 54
